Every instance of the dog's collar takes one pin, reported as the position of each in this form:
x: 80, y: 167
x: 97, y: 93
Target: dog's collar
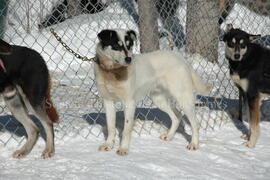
x: 2, y: 65
x: 103, y: 67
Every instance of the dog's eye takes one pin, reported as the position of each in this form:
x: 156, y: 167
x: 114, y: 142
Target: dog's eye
x: 231, y: 44
x: 242, y: 46
x: 116, y: 47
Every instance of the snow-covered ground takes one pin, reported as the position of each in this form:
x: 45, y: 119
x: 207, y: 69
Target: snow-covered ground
x: 220, y: 156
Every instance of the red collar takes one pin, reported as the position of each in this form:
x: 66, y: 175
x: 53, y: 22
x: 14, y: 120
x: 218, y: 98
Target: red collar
x: 2, y: 65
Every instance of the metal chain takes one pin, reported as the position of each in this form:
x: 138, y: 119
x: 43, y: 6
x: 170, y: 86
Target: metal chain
x: 83, y: 58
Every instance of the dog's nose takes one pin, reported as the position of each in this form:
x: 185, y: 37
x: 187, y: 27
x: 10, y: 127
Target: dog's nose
x: 236, y: 56
x: 128, y: 60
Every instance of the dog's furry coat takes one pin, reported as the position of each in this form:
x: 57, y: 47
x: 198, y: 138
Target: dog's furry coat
x: 25, y: 85
x: 249, y: 65
x: 163, y: 74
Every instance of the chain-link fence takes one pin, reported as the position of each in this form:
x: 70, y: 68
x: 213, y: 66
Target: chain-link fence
x: 192, y: 26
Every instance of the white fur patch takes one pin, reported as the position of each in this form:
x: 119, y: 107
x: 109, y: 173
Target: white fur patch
x: 229, y: 52
x: 244, y: 84
x: 9, y: 94
x: 121, y: 34
x: 236, y: 78
x: 243, y: 51
x: 233, y: 40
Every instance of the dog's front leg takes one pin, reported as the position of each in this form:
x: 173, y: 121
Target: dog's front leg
x: 129, y: 121
x: 254, y: 127
x: 246, y: 110
x: 110, y: 119
x: 241, y: 99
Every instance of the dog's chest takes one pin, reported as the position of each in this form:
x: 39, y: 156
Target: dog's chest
x: 112, y: 90
x: 110, y: 86
x: 242, y: 82
x: 235, y: 70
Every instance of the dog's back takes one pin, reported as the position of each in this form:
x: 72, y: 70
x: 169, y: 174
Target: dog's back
x: 258, y: 61
x: 162, y: 63
x: 28, y: 69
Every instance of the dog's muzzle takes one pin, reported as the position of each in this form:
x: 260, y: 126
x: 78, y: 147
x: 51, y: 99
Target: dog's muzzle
x: 237, y: 56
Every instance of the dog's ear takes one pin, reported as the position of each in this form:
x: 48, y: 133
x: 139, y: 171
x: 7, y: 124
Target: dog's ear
x: 132, y: 35
x: 228, y: 28
x: 5, y: 48
x: 224, y: 37
x: 105, y: 35
x: 254, y: 38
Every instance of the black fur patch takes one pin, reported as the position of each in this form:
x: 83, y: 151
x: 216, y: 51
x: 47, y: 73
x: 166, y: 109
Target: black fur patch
x: 130, y: 37
x: 237, y: 34
x: 26, y: 68
x: 109, y: 37
x: 5, y: 48
x: 254, y: 65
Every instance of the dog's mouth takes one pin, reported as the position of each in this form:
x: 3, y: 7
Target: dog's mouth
x: 236, y: 57
x: 127, y: 61
x: 117, y: 62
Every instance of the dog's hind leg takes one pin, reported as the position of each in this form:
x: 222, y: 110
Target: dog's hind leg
x: 188, y: 106
x: 40, y: 113
x: 110, y: 119
x: 17, y: 107
x: 254, y: 107
x: 187, y: 103
x: 128, y: 127
x: 183, y: 94
x: 162, y: 103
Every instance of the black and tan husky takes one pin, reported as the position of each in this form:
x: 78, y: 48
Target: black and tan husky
x: 25, y: 86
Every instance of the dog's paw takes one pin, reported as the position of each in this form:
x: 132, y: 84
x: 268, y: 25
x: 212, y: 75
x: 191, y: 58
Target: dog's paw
x: 192, y: 146
x: 235, y: 78
x: 105, y: 147
x: 165, y: 137
x: 249, y: 144
x: 245, y: 136
x: 122, y: 151
x: 47, y: 154
x: 19, y: 154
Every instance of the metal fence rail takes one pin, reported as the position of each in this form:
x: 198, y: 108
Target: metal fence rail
x: 27, y: 23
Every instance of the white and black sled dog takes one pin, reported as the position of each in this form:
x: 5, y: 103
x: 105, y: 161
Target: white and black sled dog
x: 123, y: 76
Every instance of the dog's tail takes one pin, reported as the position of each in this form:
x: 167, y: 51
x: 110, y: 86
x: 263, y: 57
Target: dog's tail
x: 50, y: 109
x: 200, y: 85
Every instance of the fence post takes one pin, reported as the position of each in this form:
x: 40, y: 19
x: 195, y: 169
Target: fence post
x: 148, y: 26
x: 3, y: 13
x: 202, y: 28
